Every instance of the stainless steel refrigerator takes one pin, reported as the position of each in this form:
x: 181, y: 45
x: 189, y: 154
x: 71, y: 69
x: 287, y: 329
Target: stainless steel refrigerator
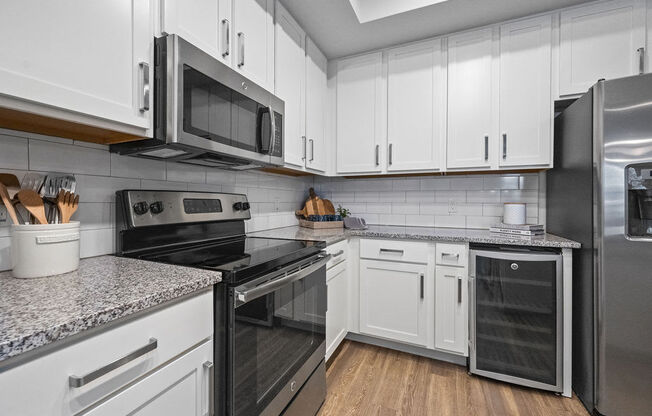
x: 600, y: 194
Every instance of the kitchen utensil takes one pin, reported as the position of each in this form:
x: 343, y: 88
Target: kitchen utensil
x: 4, y: 195
x: 67, y: 203
x: 314, y: 206
x: 33, y: 181
x: 52, y: 184
x: 11, y: 182
x: 33, y: 203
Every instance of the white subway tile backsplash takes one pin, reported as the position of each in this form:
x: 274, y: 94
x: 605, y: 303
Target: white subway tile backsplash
x: 374, y: 208
x: 102, y: 188
x: 483, y: 197
x: 455, y: 221
x: 13, y: 152
x: 448, y: 196
x: 407, y: 184
x: 366, y: 196
x: 391, y: 219
x: 5, y: 253
x: 467, y: 183
x: 131, y: 167
x: 529, y: 197
x: 95, y: 215
x: 97, y: 242
x: 407, y: 208
x: 420, y: 220
x: 501, y: 182
x: 183, y: 172
x: 57, y: 157
x: 392, y: 196
x: 435, y: 184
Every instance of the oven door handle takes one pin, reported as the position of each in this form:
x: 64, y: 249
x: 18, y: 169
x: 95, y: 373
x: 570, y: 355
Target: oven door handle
x: 244, y: 296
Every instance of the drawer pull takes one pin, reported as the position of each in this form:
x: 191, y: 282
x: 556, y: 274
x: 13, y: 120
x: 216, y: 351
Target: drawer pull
x: 391, y: 250
x: 339, y: 253
x: 211, y: 387
x: 421, y: 276
x: 76, y: 381
x: 459, y: 289
x: 457, y: 256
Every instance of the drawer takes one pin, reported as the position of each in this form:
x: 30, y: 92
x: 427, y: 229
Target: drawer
x: 411, y: 252
x: 176, y: 328
x: 451, y: 254
x: 339, y: 252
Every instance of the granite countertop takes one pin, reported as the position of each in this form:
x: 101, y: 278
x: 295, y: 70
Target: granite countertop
x: 334, y: 235
x: 37, y: 312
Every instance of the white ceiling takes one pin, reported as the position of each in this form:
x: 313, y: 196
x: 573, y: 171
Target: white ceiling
x: 335, y: 28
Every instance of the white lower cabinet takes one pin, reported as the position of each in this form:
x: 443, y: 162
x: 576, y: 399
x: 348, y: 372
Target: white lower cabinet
x: 338, y: 311
x: 162, y: 377
x: 181, y: 387
x: 393, y: 300
x: 451, y: 309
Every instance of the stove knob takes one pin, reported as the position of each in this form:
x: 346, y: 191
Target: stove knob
x: 141, y: 208
x: 156, y: 207
x: 245, y: 206
x: 237, y: 206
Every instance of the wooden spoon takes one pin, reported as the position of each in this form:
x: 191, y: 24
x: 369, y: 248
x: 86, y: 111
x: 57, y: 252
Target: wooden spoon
x: 67, y: 203
x: 4, y: 195
x: 11, y: 182
x: 33, y: 203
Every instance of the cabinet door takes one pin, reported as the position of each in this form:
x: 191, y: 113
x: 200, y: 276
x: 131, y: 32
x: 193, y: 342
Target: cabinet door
x: 359, y: 85
x: 204, y: 23
x: 416, y: 103
x: 470, y: 99
x: 338, y: 311
x: 83, y: 57
x: 179, y: 388
x: 393, y: 300
x: 525, y: 92
x: 290, y: 83
x: 316, y: 96
x: 600, y: 40
x: 254, y: 40
x: 451, y: 304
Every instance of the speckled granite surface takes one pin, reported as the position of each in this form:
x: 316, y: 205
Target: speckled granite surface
x: 36, y: 312
x: 418, y: 233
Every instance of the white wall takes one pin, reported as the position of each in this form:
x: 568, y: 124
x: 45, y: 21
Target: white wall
x: 274, y: 198
x: 473, y: 201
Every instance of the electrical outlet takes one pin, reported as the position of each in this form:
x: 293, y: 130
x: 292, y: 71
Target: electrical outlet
x: 452, y: 207
x: 3, y: 215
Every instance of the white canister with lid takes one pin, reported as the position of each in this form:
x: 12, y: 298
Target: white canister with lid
x: 514, y: 213
x: 39, y: 250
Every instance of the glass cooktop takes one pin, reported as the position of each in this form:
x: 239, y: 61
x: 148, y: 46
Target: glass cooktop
x: 241, y: 256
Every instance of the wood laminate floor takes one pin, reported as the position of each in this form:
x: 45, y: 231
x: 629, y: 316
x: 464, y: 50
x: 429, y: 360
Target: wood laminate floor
x: 368, y: 380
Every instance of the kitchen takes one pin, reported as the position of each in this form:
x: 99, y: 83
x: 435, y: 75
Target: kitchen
x: 346, y: 207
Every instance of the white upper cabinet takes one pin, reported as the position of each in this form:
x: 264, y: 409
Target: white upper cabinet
x: 290, y: 82
x: 204, y: 23
x: 525, y: 92
x: 316, y: 96
x: 416, y: 106
x: 359, y: 113
x: 470, y: 99
x: 90, y: 58
x: 253, y: 37
x: 600, y: 40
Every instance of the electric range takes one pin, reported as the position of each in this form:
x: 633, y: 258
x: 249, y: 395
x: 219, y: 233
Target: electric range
x: 270, y: 309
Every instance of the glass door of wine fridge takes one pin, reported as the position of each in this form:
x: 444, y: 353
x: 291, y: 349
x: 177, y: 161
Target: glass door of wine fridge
x: 516, y: 317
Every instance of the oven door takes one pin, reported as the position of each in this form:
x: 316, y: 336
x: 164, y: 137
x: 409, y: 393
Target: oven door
x: 204, y: 105
x: 277, y: 337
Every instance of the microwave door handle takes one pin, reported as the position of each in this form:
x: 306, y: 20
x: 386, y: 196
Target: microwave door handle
x: 247, y: 295
x: 272, y: 128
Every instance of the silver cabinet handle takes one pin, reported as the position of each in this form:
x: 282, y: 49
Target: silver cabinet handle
x: 241, y: 42
x: 77, y: 381
x: 391, y: 250
x: 211, y: 387
x: 390, y: 153
x: 303, y: 145
x: 339, y: 253
x: 641, y: 60
x: 443, y: 254
x: 421, y: 285
x: 504, y: 146
x: 486, y: 148
x: 459, y: 289
x: 226, y: 38
x: 143, y: 68
x: 312, y: 150
x: 377, y: 155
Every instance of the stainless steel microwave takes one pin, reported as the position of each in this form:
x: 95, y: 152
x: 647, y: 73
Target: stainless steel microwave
x: 207, y: 113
